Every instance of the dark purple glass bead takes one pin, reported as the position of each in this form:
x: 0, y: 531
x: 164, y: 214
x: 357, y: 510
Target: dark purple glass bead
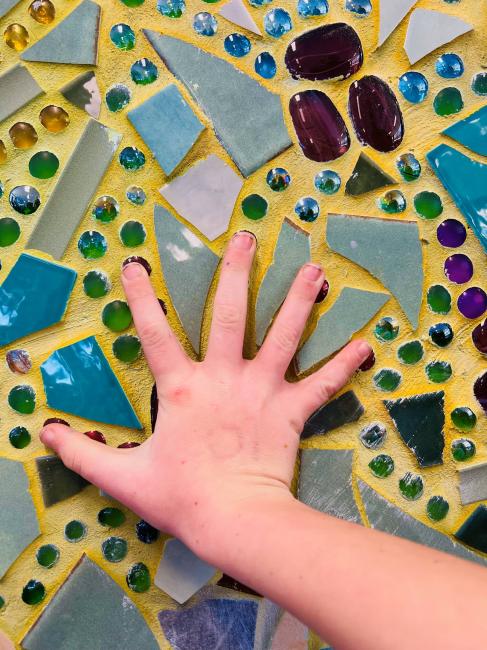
x: 327, y: 52
x: 323, y: 292
x: 129, y: 445
x: 451, y: 233
x: 138, y: 260
x: 154, y: 407
x: 321, y: 131
x: 458, y: 268
x: 472, y: 303
x: 97, y: 436
x: 55, y: 421
x: 375, y: 114
x: 480, y: 391
x: 369, y: 362
x: 479, y: 337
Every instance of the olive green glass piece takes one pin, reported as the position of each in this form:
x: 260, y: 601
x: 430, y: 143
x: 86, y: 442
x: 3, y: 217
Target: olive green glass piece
x: 411, y: 486
x: 132, y: 234
x: 381, y: 466
x: 33, y: 593
x: 19, y: 437
x: 92, y: 245
x: 437, y: 508
x: 43, y: 164
x: 75, y: 531
x: 96, y: 284
x: 392, y: 202
x: 463, y: 418
x: 114, y: 549
x: 448, y: 102
x: 479, y: 83
x: 105, y: 209
x: 428, y: 205
x: 22, y: 399
x: 47, y: 555
x: 386, y: 329
x: 111, y: 517
x: 9, y: 231
x: 127, y: 348
x: 410, y: 353
x: 138, y: 577
x: 116, y: 315
x: 439, y: 299
x: 463, y: 449
x: 254, y: 207
x: 387, y: 379
x: 438, y: 371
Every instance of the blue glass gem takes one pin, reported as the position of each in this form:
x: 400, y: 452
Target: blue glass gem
x: 328, y: 181
x: 361, y: 8
x: 205, y: 24
x: 260, y: 3
x: 237, y: 45
x: 307, y: 209
x: 449, y: 66
x: 414, y: 87
x: 24, y: 199
x: 136, y: 195
x: 278, y: 179
x: 307, y: 8
x: 117, y: 97
x: 265, y: 65
x: 144, y: 72
x: 277, y: 22
x: 171, y: 8
x: 122, y: 36
x: 131, y: 158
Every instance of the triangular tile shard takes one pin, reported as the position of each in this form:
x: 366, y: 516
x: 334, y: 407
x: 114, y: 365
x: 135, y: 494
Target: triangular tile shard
x: 168, y: 126
x: 420, y: 420
x: 471, y: 132
x: 17, y: 88
x: 19, y: 526
x: 473, y: 483
x: 6, y: 5
x: 391, y: 14
x: 188, y: 267
x: 349, y: 313
x: 473, y: 531
x: 367, y: 176
x: 228, y: 97
x: 90, y: 610
x: 290, y: 634
x: 389, y: 249
x: 237, y: 13
x: 428, y: 30
x: 205, y: 195
x: 58, y: 482
x: 74, y: 40
x: 340, y: 411
x: 78, y: 379
x: 83, y: 92
x: 291, y: 252
x: 466, y: 181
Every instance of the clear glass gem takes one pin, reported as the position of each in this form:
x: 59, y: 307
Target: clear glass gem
x: 277, y: 22
x: 308, y: 8
x: 328, y: 181
x: 205, y: 24
x: 144, y: 72
x: 278, y: 179
x: 307, y: 209
x: 122, y: 36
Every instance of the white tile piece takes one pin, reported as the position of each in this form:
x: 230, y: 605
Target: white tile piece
x: 391, y: 14
x: 428, y: 30
x: 205, y: 195
x: 473, y: 483
x: 236, y: 12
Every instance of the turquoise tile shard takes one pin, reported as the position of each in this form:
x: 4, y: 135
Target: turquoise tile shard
x: 471, y: 132
x: 6, y: 5
x: 367, y: 176
x: 17, y: 88
x: 83, y: 92
x: 473, y: 483
x: 188, y: 266
x: 19, y: 526
x: 389, y: 249
x: 420, y: 420
x: 385, y: 516
x: 473, y: 531
x: 349, y: 313
x: 325, y: 482
x: 33, y: 296
x: 70, y: 198
x: 78, y: 379
x: 466, y: 181
x: 229, y: 98
x: 180, y: 572
x: 74, y: 40
x: 291, y: 252
x: 90, y: 610
x: 58, y: 483
x: 334, y: 414
x: 168, y: 126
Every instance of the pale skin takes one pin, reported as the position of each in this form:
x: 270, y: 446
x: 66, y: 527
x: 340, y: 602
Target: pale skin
x: 217, y: 473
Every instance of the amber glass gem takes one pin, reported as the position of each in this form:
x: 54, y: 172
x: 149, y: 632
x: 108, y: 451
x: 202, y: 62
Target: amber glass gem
x: 43, y: 11
x: 16, y: 36
x: 54, y: 118
x: 23, y: 135
x: 3, y: 152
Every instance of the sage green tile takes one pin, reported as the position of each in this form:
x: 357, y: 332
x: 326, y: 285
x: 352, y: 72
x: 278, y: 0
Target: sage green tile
x: 367, y: 176
x: 57, y: 481
x: 6, y: 5
x: 17, y: 88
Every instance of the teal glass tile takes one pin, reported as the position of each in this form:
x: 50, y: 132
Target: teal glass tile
x: 58, y: 482
x: 471, y: 132
x: 17, y: 88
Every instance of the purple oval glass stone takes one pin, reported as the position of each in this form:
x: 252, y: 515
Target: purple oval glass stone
x: 327, y: 52
x: 480, y: 391
x: 472, y: 303
x: 479, y: 337
x: 375, y: 114
x: 458, y: 268
x: 321, y: 131
x: 451, y: 233
x: 154, y: 407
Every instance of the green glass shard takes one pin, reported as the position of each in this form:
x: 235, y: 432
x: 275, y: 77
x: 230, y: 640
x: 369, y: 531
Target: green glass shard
x: 340, y: 411
x: 367, y: 176
x: 473, y: 531
x: 57, y: 481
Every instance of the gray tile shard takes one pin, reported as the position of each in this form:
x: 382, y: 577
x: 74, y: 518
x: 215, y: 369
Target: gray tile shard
x: 6, y: 5
x: 17, y: 88
x: 428, y: 30
x: 336, y: 413
x: 473, y: 483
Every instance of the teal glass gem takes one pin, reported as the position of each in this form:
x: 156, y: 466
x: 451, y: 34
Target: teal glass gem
x: 307, y: 209
x: 136, y: 195
x: 479, y: 83
x: 438, y: 371
x: 463, y: 418
x: 387, y: 329
x: 9, y: 231
x: 105, y: 209
x: 144, y: 72
x: 439, y: 299
x: 92, y: 245
x: 392, y: 202
x: 437, y: 508
x: 127, y: 348
x: 409, y: 167
x: 277, y: 22
x: 328, y: 181
x: 24, y: 199
x: 410, y: 353
x: 373, y: 435
x: 411, y: 486
x: 360, y: 8
x: 132, y: 234
x: 117, y: 97
x: 449, y: 66
x: 114, y: 549
x: 237, y: 45
x: 116, y: 316
x: 387, y: 379
x: 75, y: 531
x: 205, y: 24
x: 265, y: 65
x: 122, y: 36
x: 413, y: 86
x: 96, y: 284
x: 19, y: 437
x: 171, y: 8
x: 111, y: 517
x: 33, y: 593
x: 131, y: 159
x: 428, y: 205
x: 254, y: 207
x: 138, y: 577
x: 441, y: 334
x: 381, y: 466
x: 43, y: 164
x: 308, y: 8
x: 278, y: 179
x: 463, y: 449
x: 22, y: 399
x: 259, y: 3
x: 2, y: 602
x: 448, y: 101
x: 47, y: 555
x: 2, y: 189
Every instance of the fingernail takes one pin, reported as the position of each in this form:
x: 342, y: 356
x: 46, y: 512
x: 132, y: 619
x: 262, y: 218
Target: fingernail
x: 312, y: 271
x: 243, y: 240
x: 47, y: 436
x: 133, y: 270
x: 364, y: 349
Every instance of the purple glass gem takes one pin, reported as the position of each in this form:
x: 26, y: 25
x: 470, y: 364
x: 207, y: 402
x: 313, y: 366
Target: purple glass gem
x: 480, y: 391
x: 458, y: 268
x: 154, y: 407
x: 327, y: 52
x: 321, y: 131
x: 451, y: 233
x: 472, y: 303
x: 375, y: 113
x: 479, y: 337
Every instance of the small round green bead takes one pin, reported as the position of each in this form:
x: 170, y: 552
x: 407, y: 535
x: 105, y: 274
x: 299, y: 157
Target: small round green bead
x: 114, y: 549
x: 479, y: 83
x: 19, y: 437
x: 127, y: 348
x: 75, y: 531
x: 92, y: 245
x: 437, y: 508
x: 96, y: 284
x: 381, y: 466
x: 410, y: 353
x: 105, y: 209
x: 116, y: 315
x: 463, y: 418
x: 132, y: 3
x: 411, y: 486
x: 463, y: 449
x: 117, y: 97
x: 428, y: 205
x: 439, y: 299
x: 47, y: 555
x: 438, y: 371
x: 132, y: 234
x: 43, y: 164
x: 9, y: 231
x: 387, y: 379
x: 22, y: 399
x: 254, y: 207
x: 386, y: 330
x: 33, y: 593
x: 392, y: 202
x: 111, y: 517
x: 448, y: 101
x: 138, y: 577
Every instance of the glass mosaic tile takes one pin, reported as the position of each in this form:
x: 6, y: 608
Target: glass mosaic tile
x: 57, y: 481
x: 17, y: 88
x: 471, y: 131
x: 428, y: 30
x: 334, y: 414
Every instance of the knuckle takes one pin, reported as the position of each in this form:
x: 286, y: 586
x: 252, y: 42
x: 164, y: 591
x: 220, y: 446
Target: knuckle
x: 227, y: 316
x: 286, y: 337
x: 153, y: 336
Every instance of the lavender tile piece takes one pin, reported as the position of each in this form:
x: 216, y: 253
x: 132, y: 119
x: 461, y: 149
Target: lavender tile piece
x: 471, y: 131
x: 391, y: 14
x: 473, y: 483
x: 428, y: 30
x: 17, y: 88
x: 366, y: 177
x: 334, y: 414
x: 58, y: 482
x: 236, y: 12
x: 83, y: 92
x: 6, y: 5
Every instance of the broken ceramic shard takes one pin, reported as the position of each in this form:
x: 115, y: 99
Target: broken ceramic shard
x: 90, y: 610
x: 228, y: 97
x: 33, y: 296
x: 6, y: 5
x: 391, y: 14
x: 473, y: 483
x: 180, y: 572
x: 367, y: 176
x: 473, y: 531
x: 349, y: 313
x: 70, y: 198
x: 291, y: 252
x: 78, y: 379
x: 337, y: 413
x: 83, y: 92
x: 471, y: 131
x: 389, y: 249
x: 187, y: 263
x: 17, y: 88
x: 428, y: 30
x: 205, y: 195
x: 237, y: 13
x: 57, y: 481
x: 325, y: 482
x: 168, y: 126
x: 420, y: 420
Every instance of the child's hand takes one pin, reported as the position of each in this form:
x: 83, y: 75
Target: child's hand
x: 228, y: 428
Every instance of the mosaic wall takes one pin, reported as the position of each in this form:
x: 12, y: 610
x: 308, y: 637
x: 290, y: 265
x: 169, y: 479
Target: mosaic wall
x: 349, y: 131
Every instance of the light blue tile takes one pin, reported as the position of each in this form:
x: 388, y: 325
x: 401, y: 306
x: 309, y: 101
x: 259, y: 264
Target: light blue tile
x: 6, y: 5
x: 471, y: 132
x: 17, y: 88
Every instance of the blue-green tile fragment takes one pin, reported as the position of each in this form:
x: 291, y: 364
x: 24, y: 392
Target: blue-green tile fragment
x: 471, y: 132
x: 17, y: 88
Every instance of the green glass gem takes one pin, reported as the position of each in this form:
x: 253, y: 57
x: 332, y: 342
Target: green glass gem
x: 138, y: 577
x: 131, y: 159
x: 47, y: 555
x: 479, y: 83
x: 19, y: 437
x: 132, y: 234
x: 411, y: 486
x: 448, y: 102
x: 127, y: 348
x: 409, y: 167
x: 105, y: 209
x: 410, y: 352
x: 428, y: 205
x: 2, y: 602
x: 117, y: 97
x: 122, y: 36
x: 254, y: 206
x: 111, y: 517
x: 74, y: 531
x: 114, y: 549
x: 144, y: 72
x: 373, y: 435
x: 386, y: 329
x: 463, y: 418
x: 33, y: 593
x: 22, y: 399
x: 211, y: 2
x: 437, y: 508
x: 116, y: 316
x: 387, y: 379
x: 43, y: 164
x: 328, y: 182
x: 132, y: 3
x: 9, y: 231
x: 392, y: 202
x: 92, y: 245
x: 2, y: 189
x: 96, y: 284
x: 438, y: 371
x: 382, y: 466
x: 439, y: 299
x: 462, y: 449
